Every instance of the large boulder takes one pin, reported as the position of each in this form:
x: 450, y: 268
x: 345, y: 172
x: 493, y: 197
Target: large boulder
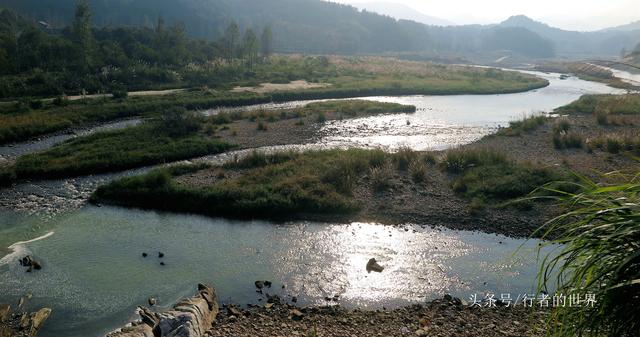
x: 191, y: 317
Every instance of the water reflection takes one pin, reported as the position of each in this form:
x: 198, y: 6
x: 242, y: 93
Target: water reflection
x: 95, y: 276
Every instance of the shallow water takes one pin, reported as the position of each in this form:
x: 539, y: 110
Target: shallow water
x: 442, y: 122
x: 94, y: 275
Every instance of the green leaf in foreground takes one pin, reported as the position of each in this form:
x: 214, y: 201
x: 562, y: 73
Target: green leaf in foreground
x: 600, y: 236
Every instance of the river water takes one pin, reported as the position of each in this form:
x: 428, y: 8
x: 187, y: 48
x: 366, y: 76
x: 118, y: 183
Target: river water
x: 94, y: 275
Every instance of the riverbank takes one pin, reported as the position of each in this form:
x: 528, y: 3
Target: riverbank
x: 277, y: 317
x: 346, y: 77
x: 438, y: 318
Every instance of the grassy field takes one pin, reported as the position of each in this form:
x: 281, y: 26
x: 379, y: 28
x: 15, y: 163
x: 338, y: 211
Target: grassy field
x: 346, y: 77
x: 608, y: 104
x: 587, y: 72
x: 115, y: 150
x: 269, y: 186
x: 318, y: 182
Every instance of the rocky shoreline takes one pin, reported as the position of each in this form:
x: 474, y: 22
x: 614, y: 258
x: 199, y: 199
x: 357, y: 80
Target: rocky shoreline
x: 199, y: 316
x: 20, y: 323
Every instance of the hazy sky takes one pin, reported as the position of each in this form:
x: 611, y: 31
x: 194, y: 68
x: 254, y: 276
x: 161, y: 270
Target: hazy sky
x: 567, y: 14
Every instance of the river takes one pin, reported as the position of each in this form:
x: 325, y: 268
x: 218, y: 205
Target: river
x: 94, y: 275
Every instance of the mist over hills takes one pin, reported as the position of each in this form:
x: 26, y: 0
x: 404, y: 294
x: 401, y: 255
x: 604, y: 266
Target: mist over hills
x: 609, y: 42
x: 400, y: 11
x: 315, y: 26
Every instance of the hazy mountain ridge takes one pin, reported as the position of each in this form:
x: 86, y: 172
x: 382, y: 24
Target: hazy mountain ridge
x: 403, y: 12
x: 598, y: 43
x: 315, y: 26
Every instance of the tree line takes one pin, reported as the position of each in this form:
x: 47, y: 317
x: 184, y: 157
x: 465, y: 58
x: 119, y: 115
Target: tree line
x: 36, y: 60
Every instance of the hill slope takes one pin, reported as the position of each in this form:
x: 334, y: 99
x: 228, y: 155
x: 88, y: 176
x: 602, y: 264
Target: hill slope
x: 604, y: 43
x: 311, y: 26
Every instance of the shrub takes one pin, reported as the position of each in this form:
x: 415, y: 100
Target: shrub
x: 321, y: 118
x: 180, y: 122
x: 61, y: 101
x: 36, y: 104
x: 261, y: 126
x: 7, y: 175
x: 119, y: 93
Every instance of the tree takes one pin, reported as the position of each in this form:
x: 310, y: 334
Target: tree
x: 82, y: 35
x: 250, y: 48
x: 231, y: 41
x: 266, y: 42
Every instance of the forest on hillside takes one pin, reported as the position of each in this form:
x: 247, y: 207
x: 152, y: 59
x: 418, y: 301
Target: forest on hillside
x: 309, y: 26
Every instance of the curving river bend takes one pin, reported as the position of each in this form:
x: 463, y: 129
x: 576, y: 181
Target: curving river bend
x: 95, y: 276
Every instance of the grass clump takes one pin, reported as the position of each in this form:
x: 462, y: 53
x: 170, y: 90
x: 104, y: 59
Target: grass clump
x: 628, y: 104
x: 488, y: 175
x: 615, y: 144
x: 564, y: 138
x: 527, y: 124
x: 599, y: 255
x: 418, y: 171
x: 460, y: 159
x: 381, y: 177
x: 567, y: 140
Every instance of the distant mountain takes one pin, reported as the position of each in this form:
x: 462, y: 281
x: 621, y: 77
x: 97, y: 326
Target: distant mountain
x: 625, y: 28
x: 308, y: 26
x: 400, y: 11
x: 607, y: 43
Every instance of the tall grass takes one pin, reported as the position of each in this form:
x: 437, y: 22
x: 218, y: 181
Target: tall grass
x: 600, y: 236
x: 527, y: 124
x: 110, y: 151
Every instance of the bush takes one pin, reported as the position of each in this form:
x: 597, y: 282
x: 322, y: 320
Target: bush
x: 7, y: 176
x: 180, y: 122
x: 36, y: 104
x: 119, y: 93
